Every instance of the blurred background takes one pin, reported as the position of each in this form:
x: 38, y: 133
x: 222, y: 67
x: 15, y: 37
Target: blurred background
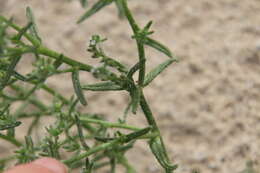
x: 207, y: 105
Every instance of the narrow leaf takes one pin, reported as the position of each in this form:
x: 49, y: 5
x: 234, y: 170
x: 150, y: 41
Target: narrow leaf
x: 103, y: 86
x: 133, y: 70
x: 136, y: 134
x: 9, y: 126
x: 89, y: 166
x: 148, y: 26
x: 95, y: 8
x: 84, y: 3
x: 6, y: 108
x: 158, y: 46
x: 160, y: 154
x: 157, y: 70
x: 19, y: 76
x: 114, y: 63
x: 33, y: 28
x: 103, y: 139
x: 77, y: 87
x: 80, y: 133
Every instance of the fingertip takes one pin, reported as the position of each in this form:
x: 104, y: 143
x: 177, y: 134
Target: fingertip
x: 52, y: 164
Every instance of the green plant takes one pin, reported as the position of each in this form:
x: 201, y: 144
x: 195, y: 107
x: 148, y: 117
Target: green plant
x: 249, y: 167
x: 114, y: 76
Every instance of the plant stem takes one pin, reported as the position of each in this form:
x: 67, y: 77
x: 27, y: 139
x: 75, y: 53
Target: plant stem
x: 30, y: 38
x: 11, y: 140
x: 151, y: 120
x: 120, y: 140
x: 147, y: 112
x: 141, y: 52
x: 130, y: 17
x: 139, y: 43
x: 54, y: 93
x: 3, y: 160
x: 108, y: 124
x: 45, y: 51
x: 50, y: 53
x: 128, y: 167
x: 91, y: 151
x: 32, y: 100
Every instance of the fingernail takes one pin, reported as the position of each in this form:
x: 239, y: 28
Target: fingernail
x: 53, y: 165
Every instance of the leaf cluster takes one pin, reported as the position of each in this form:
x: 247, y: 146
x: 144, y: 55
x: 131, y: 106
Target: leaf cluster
x: 93, y: 145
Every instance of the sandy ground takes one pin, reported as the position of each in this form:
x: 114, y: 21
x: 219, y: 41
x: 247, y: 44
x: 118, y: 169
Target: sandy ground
x: 207, y: 105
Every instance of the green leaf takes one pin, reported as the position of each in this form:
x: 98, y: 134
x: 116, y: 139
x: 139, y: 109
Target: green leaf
x: 33, y: 28
x: 103, y: 139
x: 89, y: 166
x: 136, y: 134
x: 114, y: 63
x: 157, y: 70
x: 77, y: 87
x: 20, y: 76
x: 104, y: 74
x: 10, y: 125
x: 160, y: 154
x: 148, y: 26
x: 103, y: 86
x: 249, y: 167
x: 158, y: 46
x: 95, y: 8
x: 133, y: 70
x: 80, y: 133
x: 84, y: 3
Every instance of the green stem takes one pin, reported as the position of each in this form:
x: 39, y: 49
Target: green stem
x: 151, y: 120
x: 50, y: 53
x: 139, y: 42
x: 3, y: 160
x: 11, y: 140
x: 91, y: 151
x: 142, y: 60
x: 33, y: 124
x: 100, y: 165
x: 129, y: 17
x: 145, y: 107
x: 30, y: 38
x: 147, y: 112
x: 32, y: 100
x: 108, y: 124
x: 54, y: 93
x: 30, y: 115
x: 45, y: 51
x: 125, y: 163
x: 120, y: 140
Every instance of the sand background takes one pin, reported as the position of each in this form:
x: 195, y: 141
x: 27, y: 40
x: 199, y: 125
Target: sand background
x: 207, y: 105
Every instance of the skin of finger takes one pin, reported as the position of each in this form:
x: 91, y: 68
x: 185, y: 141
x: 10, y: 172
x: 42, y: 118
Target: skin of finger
x: 42, y: 165
x: 29, y: 168
x: 52, y: 164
